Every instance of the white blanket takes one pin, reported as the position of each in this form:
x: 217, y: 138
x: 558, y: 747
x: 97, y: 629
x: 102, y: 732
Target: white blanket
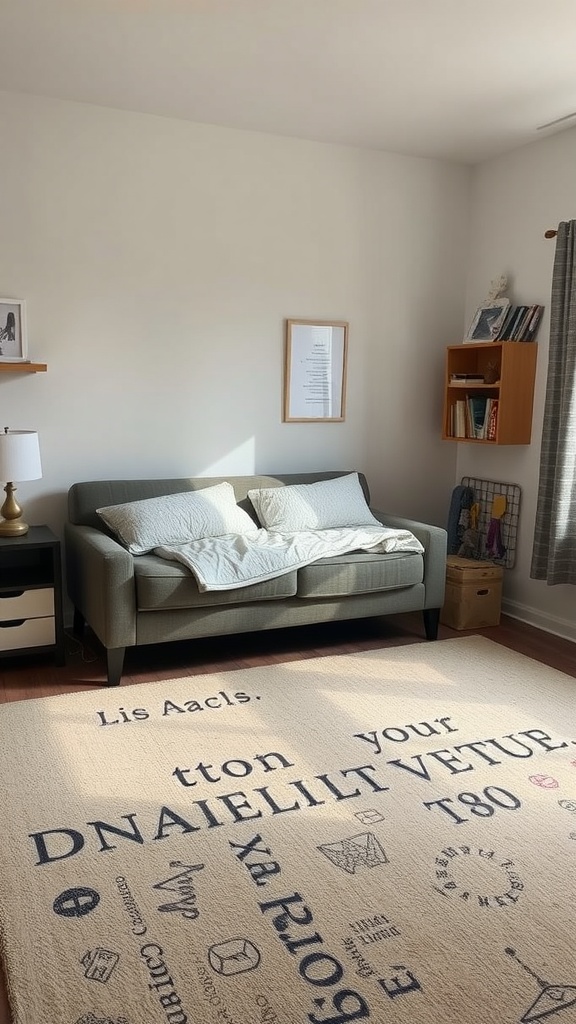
x: 225, y: 563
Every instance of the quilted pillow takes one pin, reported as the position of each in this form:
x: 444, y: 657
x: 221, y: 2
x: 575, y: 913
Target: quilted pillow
x: 177, y: 518
x: 325, y: 505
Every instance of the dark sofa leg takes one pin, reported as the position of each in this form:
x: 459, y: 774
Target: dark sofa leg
x: 78, y: 623
x: 431, y: 620
x: 115, y: 662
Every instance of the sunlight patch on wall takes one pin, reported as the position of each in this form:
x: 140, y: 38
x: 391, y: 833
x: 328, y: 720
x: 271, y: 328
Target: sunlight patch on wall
x: 238, y: 461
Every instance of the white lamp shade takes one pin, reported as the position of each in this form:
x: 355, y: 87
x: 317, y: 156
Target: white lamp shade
x: 20, y: 456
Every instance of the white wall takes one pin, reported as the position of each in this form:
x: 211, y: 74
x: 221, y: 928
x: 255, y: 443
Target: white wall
x: 515, y: 199
x: 159, y: 258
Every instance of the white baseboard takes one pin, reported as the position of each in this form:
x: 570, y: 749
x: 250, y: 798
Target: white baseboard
x: 551, y: 623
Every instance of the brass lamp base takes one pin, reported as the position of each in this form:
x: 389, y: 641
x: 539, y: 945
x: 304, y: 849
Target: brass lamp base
x: 13, y: 529
x: 12, y: 525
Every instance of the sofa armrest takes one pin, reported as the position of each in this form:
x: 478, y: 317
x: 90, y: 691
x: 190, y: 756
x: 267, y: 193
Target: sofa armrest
x: 434, y: 540
x: 100, y: 582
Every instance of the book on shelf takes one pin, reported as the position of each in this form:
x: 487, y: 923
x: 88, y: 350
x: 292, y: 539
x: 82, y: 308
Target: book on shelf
x: 533, y: 324
x: 524, y: 321
x: 459, y: 425
x: 525, y: 312
x: 492, y: 425
x: 503, y: 332
x: 475, y: 417
x: 467, y: 378
x: 521, y: 323
x: 514, y: 321
x: 477, y: 405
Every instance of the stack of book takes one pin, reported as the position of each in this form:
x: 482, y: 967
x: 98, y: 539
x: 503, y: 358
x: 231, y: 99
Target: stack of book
x: 466, y: 378
x: 475, y: 416
x: 521, y: 323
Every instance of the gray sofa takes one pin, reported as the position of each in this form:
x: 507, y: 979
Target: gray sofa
x: 131, y: 600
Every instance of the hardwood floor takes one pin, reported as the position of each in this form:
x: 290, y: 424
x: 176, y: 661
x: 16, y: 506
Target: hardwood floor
x: 25, y: 678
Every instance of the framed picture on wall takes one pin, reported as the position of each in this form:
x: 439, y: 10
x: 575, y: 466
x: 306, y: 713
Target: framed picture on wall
x: 487, y: 321
x: 13, y: 339
x: 315, y: 371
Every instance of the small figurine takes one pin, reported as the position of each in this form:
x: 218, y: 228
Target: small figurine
x: 491, y: 373
x: 497, y: 287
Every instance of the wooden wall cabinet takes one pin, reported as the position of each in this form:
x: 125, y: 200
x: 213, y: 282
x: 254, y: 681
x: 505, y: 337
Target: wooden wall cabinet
x: 513, y: 365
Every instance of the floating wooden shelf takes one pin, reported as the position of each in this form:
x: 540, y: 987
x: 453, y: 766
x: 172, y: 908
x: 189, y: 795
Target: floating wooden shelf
x: 23, y: 367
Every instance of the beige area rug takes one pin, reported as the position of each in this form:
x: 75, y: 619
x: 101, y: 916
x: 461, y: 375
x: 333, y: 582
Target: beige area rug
x: 385, y: 837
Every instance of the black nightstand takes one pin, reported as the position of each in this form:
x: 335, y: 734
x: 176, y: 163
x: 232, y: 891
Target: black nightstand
x: 31, y: 594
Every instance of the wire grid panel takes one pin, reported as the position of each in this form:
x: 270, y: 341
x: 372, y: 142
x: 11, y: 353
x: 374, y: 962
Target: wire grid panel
x: 484, y: 493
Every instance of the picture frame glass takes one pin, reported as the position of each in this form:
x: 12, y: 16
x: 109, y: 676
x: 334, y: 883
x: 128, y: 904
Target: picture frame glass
x: 13, y: 340
x: 315, y: 371
x: 487, y: 321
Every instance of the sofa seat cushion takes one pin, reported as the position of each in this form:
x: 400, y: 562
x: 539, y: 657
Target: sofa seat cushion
x: 161, y: 584
x: 359, y: 573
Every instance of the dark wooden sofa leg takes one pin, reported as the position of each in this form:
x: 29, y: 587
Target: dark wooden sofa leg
x: 431, y: 620
x: 78, y: 623
x: 114, y: 662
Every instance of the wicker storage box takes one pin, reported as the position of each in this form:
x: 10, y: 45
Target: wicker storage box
x: 473, y: 593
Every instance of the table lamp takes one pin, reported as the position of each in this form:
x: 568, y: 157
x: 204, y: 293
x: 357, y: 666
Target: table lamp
x: 19, y: 460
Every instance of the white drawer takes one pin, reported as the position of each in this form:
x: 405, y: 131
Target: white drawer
x: 28, y: 633
x: 26, y: 604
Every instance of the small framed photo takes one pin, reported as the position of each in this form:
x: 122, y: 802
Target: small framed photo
x: 315, y: 371
x: 487, y: 321
x: 13, y: 338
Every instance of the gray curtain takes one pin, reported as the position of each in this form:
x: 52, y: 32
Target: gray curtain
x: 554, y: 551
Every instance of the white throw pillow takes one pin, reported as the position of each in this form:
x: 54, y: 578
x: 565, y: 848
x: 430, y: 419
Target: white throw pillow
x: 326, y: 505
x: 177, y: 518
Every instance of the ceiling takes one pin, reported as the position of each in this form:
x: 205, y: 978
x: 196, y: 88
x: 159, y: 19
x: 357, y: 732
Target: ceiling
x: 457, y: 79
